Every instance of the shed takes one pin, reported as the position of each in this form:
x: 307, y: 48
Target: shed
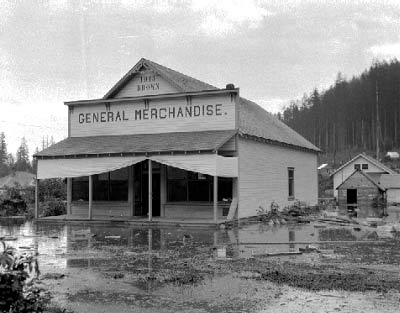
x: 360, y: 193
x: 364, y: 162
x: 392, y: 185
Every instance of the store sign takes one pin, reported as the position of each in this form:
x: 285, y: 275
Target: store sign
x: 156, y: 116
x: 172, y: 112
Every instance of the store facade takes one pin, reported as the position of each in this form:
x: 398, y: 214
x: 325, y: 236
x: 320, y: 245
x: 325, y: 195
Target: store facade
x: 160, y: 143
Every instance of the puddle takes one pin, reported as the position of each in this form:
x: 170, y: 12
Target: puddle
x: 184, y: 269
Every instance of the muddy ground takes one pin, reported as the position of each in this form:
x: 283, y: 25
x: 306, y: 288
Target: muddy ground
x: 116, y: 268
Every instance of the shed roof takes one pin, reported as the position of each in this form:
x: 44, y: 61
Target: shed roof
x: 147, y: 143
x: 391, y: 181
x: 365, y: 175
x: 368, y: 158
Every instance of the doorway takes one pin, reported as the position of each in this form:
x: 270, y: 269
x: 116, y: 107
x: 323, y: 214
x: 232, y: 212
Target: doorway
x: 351, y: 196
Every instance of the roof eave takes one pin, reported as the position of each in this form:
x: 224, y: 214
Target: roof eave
x: 152, y: 97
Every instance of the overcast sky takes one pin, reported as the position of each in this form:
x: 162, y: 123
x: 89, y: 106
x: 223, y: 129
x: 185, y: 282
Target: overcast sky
x: 274, y: 51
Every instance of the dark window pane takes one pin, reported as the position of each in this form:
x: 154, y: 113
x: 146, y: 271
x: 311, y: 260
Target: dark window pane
x: 357, y: 166
x: 119, y: 185
x: 291, y: 182
x: 177, y: 190
x: 365, y: 166
x: 100, y: 187
x: 199, y: 190
x: 80, y: 188
x: 224, y: 188
x: 176, y: 173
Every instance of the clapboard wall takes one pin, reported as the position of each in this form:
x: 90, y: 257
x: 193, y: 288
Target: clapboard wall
x: 183, y: 114
x: 263, y: 176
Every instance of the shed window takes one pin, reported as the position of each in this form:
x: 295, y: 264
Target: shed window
x: 291, y: 182
x: 365, y: 166
x: 357, y: 166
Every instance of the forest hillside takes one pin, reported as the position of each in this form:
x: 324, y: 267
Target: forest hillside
x: 353, y: 115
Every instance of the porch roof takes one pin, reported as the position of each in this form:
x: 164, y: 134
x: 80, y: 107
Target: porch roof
x: 143, y: 143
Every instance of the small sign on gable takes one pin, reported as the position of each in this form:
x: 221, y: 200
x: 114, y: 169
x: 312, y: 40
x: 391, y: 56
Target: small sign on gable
x: 145, y: 83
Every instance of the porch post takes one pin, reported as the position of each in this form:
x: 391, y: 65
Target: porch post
x: 37, y: 199
x: 150, y: 170
x: 90, y: 197
x: 163, y: 187
x: 69, y: 196
x: 215, y: 199
x: 131, y: 190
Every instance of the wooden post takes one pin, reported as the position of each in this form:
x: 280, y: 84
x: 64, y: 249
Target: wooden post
x: 131, y: 190
x: 215, y: 199
x: 150, y: 170
x: 90, y: 213
x: 163, y: 189
x: 69, y: 196
x: 37, y: 199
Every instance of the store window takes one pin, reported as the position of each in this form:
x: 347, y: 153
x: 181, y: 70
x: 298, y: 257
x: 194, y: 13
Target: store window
x: 291, y: 182
x: 191, y: 186
x: 111, y: 186
x: 80, y: 189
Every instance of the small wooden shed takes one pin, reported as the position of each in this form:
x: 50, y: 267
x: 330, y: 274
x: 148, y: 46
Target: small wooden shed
x: 360, y: 193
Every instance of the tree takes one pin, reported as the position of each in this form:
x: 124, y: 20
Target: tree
x: 22, y: 163
x: 4, y: 169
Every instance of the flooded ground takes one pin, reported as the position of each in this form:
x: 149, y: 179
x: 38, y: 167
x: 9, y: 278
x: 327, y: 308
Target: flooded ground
x: 253, y: 268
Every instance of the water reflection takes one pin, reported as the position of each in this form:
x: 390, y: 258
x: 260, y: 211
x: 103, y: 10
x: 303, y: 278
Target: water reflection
x: 81, y: 245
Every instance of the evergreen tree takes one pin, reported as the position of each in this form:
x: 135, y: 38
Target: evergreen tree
x: 22, y: 163
x: 4, y: 169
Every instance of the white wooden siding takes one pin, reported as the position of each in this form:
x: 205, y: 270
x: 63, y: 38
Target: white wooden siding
x: 393, y: 196
x: 263, y: 176
x: 138, y: 86
x: 373, y: 171
x: 223, y: 121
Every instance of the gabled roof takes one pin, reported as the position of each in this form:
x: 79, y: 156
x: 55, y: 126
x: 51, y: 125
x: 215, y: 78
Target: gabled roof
x: 181, y: 82
x: 143, y: 143
x: 366, y: 176
x: 368, y: 158
x: 255, y: 121
x: 390, y: 181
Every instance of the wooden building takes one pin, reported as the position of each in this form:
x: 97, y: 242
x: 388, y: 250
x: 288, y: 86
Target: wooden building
x: 367, y: 164
x: 161, y: 143
x: 391, y: 183
x: 359, y: 192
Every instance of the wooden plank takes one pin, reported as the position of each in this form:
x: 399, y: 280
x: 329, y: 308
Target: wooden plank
x: 37, y: 199
x: 232, y: 209
x: 150, y: 170
x: 69, y: 195
x: 215, y: 200
x: 90, y: 213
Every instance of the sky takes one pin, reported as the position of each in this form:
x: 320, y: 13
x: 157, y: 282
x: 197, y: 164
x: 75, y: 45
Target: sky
x: 274, y: 51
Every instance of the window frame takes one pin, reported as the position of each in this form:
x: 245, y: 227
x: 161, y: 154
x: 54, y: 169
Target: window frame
x: 291, y: 191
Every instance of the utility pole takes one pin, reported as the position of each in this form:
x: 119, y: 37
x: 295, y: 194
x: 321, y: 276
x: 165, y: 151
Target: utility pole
x: 378, y: 126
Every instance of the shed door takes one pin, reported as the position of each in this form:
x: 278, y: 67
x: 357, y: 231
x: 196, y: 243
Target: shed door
x: 351, y: 196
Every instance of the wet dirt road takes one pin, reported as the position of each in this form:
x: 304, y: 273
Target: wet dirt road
x: 115, y: 268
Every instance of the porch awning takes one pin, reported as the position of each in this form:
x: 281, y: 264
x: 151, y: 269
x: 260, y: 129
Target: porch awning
x: 56, y: 168
x: 210, y: 164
